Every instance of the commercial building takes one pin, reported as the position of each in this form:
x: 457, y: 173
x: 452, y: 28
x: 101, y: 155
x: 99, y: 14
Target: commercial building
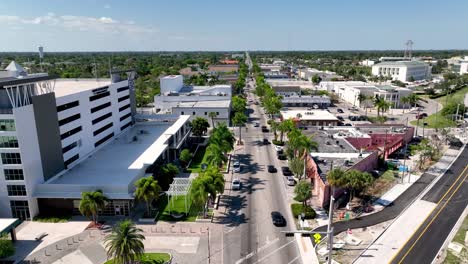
x: 50, y: 127
x: 306, y: 118
x: 367, y: 62
x: 464, y: 66
x: 315, y: 102
x: 403, y: 71
x: 196, y: 101
x: 309, y: 73
x: 222, y: 68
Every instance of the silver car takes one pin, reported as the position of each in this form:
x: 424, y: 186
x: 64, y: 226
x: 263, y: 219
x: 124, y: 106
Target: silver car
x: 236, y: 184
x: 291, y: 181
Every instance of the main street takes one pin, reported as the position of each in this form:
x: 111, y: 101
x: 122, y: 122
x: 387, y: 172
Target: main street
x: 249, y: 234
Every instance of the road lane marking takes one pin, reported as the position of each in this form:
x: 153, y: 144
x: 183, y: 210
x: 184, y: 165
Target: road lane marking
x: 260, y: 249
x: 276, y: 250
x: 296, y: 258
x: 433, y: 219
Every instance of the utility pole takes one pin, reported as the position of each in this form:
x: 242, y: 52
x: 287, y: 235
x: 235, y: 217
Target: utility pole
x: 330, y: 228
x: 417, y: 122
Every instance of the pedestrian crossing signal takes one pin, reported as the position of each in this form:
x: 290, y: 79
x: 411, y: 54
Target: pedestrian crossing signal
x: 317, y: 238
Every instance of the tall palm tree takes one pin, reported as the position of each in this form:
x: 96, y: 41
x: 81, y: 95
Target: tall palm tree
x: 223, y: 137
x: 125, y: 244
x: 199, y: 192
x: 91, y: 203
x: 214, y: 155
x: 147, y: 189
x: 212, y: 115
x: 239, y: 120
x: 405, y: 101
x: 285, y: 126
x: 361, y: 98
x: 274, y: 127
x: 336, y: 177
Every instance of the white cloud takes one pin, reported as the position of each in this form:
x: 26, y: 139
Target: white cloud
x: 80, y: 23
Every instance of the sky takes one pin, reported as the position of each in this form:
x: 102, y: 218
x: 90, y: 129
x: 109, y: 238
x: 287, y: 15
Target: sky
x: 220, y: 25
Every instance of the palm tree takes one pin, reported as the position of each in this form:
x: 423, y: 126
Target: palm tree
x: 212, y: 115
x: 147, y: 189
x: 361, y: 98
x: 214, y: 155
x: 91, y: 203
x: 405, y: 101
x: 239, y: 120
x: 357, y: 180
x: 285, y: 126
x: 125, y: 244
x: 274, y: 126
x: 222, y: 137
x: 303, y: 192
x: 413, y: 99
x: 209, y: 183
x: 336, y: 177
x: 381, y: 105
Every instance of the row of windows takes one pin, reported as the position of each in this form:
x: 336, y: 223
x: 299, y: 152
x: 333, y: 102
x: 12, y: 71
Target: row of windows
x: 99, y: 96
x: 11, y: 158
x: 72, y: 159
x: 16, y: 190
x: 7, y: 125
x: 125, y: 126
x: 194, y: 113
x: 122, y: 89
x: 104, y: 139
x: 124, y: 107
x: 99, y: 119
x: 8, y: 142
x: 66, y: 106
x: 13, y: 174
x: 69, y: 147
x: 69, y: 119
x: 99, y: 107
x: 125, y: 116
x: 123, y: 98
x: 70, y: 133
x: 102, y: 129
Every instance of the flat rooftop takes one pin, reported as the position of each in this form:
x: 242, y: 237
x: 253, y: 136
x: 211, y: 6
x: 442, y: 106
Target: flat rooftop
x: 205, y: 104
x: 308, y: 114
x: 64, y: 87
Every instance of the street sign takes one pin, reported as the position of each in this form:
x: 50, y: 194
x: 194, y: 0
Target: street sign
x: 317, y: 238
x: 347, y: 216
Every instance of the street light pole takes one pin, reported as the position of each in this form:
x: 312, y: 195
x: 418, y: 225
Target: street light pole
x: 330, y: 229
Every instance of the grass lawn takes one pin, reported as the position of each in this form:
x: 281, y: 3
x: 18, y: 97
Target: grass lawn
x: 150, y: 258
x: 52, y: 219
x: 177, y: 207
x: 382, y: 184
x: 437, y: 120
x: 198, y: 160
x: 460, y: 236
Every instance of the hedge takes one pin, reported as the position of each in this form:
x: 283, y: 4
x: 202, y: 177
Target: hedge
x: 297, y: 209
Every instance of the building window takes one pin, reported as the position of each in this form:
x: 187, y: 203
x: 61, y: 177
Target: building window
x: 20, y: 209
x: 100, y: 107
x: 217, y: 113
x: 122, y: 89
x: 182, y: 113
x: 193, y: 113
x: 11, y: 158
x: 125, y: 116
x: 125, y: 126
x: 16, y: 190
x: 7, y: 125
x: 104, y: 139
x: 69, y: 119
x: 64, y: 107
x: 99, y: 119
x: 8, y: 142
x: 13, y: 174
x: 71, y: 160
x: 102, y: 129
x: 206, y: 113
x: 69, y: 147
x: 70, y: 133
x: 123, y: 98
x: 124, y: 107
x: 99, y: 96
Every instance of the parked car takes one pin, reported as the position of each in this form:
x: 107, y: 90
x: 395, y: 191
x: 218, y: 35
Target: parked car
x: 236, y: 166
x: 280, y: 151
x: 286, y: 171
x: 282, y: 157
x: 264, y: 129
x: 256, y: 124
x: 339, y: 110
x: 455, y: 142
x: 272, y: 169
x: 348, y: 124
x: 236, y: 184
x: 265, y: 141
x: 278, y: 219
x: 340, y: 118
x: 291, y: 181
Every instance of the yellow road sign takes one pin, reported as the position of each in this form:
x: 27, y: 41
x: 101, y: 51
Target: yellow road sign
x: 317, y: 238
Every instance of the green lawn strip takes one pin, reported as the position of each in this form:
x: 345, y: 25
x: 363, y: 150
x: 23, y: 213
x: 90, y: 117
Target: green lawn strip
x: 435, y: 121
x: 450, y: 258
x: 177, y: 206
x: 460, y: 235
x: 150, y: 258
x: 198, y: 159
x: 388, y: 175
x: 458, y: 96
x: 52, y: 219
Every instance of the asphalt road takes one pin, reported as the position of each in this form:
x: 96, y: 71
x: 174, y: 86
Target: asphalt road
x: 249, y: 235
x: 451, y: 196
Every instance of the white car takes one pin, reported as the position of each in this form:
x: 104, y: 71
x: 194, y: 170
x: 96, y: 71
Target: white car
x: 278, y: 148
x: 291, y: 181
x: 237, y: 166
x: 236, y: 184
x: 256, y: 124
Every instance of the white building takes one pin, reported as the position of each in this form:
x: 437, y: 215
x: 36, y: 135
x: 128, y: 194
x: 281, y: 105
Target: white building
x: 50, y: 126
x: 311, y: 117
x: 196, y: 101
x: 309, y: 73
x: 403, y: 70
x: 367, y: 62
x: 464, y: 66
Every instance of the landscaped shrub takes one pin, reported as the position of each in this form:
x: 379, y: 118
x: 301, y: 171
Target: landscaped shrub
x: 6, y: 247
x: 52, y: 219
x: 297, y: 209
x: 277, y: 142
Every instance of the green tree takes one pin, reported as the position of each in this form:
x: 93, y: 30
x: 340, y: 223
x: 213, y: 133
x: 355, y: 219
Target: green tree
x: 361, y: 98
x: 7, y: 248
x: 222, y: 137
x: 413, y: 99
x: 297, y: 167
x: 285, y: 127
x: 274, y: 127
x: 210, y: 183
x: 199, y: 126
x: 357, y: 180
x: 147, y: 189
x: 214, y: 155
x: 239, y: 120
x: 125, y: 244
x: 185, y: 156
x: 91, y: 203
x: 316, y: 79
x: 239, y: 104
x: 405, y: 100
x: 303, y: 192
x: 212, y: 116
x: 381, y: 105
x: 336, y: 177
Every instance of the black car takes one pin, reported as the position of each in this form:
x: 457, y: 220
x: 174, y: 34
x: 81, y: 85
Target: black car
x: 264, y: 129
x: 286, y: 171
x: 282, y: 157
x: 272, y: 169
x: 265, y: 141
x: 278, y: 219
x: 339, y: 110
x: 340, y: 118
